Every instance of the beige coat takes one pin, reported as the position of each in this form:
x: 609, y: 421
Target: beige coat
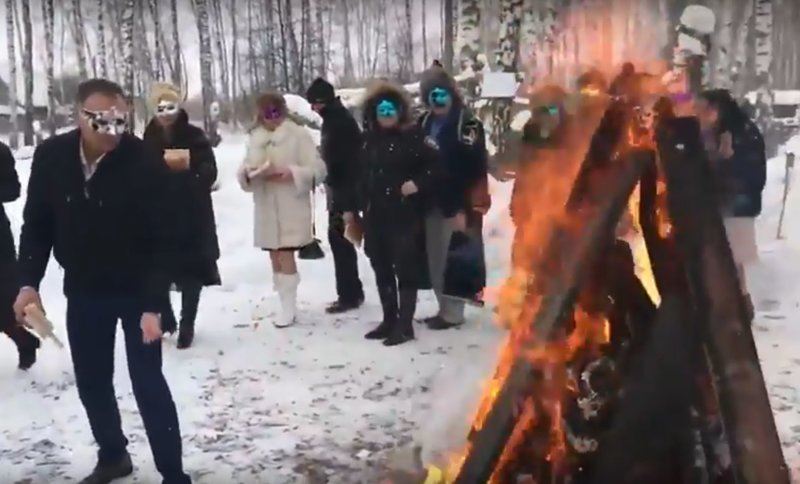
x: 283, y: 215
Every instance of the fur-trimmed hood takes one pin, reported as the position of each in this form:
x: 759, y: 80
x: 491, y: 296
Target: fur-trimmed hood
x: 436, y: 76
x: 381, y: 90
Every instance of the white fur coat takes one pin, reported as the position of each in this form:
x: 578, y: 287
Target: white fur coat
x: 283, y: 215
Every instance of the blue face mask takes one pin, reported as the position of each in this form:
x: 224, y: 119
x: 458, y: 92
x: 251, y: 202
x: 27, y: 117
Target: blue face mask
x: 386, y: 109
x: 440, y: 97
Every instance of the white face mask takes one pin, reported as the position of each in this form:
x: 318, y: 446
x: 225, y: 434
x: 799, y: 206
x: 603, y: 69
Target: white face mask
x: 166, y: 108
x: 111, y: 122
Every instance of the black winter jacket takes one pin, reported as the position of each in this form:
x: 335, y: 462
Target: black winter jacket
x: 108, y: 233
x: 9, y: 191
x: 388, y: 160
x: 743, y: 176
x: 339, y: 147
x: 462, y: 148
x: 188, y: 203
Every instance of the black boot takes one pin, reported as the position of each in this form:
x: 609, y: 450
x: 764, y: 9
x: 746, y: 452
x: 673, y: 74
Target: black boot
x: 168, y: 322
x: 106, y: 472
x: 191, y: 300
x: 27, y: 344
x: 403, y: 331
x: 388, y: 296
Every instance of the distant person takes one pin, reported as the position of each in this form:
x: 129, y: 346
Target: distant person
x: 26, y: 343
x: 395, y: 188
x: 737, y: 153
x: 187, y: 153
x: 340, y: 146
x: 94, y: 198
x: 463, y: 196
x: 280, y: 169
x: 624, y: 83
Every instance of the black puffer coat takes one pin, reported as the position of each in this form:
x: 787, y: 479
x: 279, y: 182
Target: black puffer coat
x: 188, y: 204
x: 9, y: 191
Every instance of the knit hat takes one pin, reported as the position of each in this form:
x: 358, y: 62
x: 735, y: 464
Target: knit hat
x: 320, y: 92
x: 164, y: 91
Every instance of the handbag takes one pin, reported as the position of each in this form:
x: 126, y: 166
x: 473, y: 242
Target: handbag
x: 465, y: 272
x: 312, y: 251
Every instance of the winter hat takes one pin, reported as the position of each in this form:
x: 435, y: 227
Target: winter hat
x: 320, y: 92
x: 164, y: 91
x: 437, y: 77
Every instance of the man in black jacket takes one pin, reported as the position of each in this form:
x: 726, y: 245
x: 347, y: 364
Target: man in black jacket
x: 340, y: 145
x: 27, y: 344
x: 93, y: 199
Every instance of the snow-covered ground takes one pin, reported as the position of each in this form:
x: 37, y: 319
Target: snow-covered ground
x: 261, y: 405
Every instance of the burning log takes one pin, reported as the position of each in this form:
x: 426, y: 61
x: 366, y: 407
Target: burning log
x: 601, y: 194
x: 719, y: 305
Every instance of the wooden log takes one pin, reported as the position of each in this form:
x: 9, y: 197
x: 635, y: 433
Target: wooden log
x: 600, y: 205
x: 719, y: 305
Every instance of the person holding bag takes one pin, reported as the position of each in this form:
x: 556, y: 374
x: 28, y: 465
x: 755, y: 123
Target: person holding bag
x: 397, y: 178
x: 192, y: 172
x: 280, y: 169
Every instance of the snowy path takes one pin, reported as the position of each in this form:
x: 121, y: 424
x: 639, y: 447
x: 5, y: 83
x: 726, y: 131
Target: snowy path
x: 260, y: 405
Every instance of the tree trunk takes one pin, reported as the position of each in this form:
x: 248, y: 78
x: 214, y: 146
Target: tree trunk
x: 206, y: 59
x: 218, y: 28
x: 724, y: 47
x: 77, y: 27
x: 127, y: 23
x: 48, y: 17
x: 322, y: 67
x: 235, y: 78
x: 284, y: 42
x: 13, y: 102
x: 348, y: 55
x: 506, y: 60
x: 272, y: 45
x: 408, y: 45
x: 387, y: 59
x: 101, y: 40
x: 177, y: 72
x: 448, y: 35
x: 469, y: 33
x: 145, y: 67
x: 158, y: 48
x: 763, y: 34
x: 27, y: 66
x: 424, y: 34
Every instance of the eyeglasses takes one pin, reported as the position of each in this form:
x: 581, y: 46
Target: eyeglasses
x: 272, y: 114
x: 111, y: 122
x: 386, y: 109
x: 439, y: 97
x: 166, y: 109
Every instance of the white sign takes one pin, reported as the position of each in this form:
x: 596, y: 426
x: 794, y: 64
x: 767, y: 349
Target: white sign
x: 499, y: 85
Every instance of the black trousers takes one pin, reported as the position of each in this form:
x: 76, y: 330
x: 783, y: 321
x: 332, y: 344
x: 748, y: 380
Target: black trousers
x: 190, y: 301
x: 91, y: 327
x: 345, y: 261
x: 397, y: 259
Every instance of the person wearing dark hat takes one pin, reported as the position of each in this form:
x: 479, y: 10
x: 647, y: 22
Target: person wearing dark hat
x: 463, y: 192
x: 339, y: 146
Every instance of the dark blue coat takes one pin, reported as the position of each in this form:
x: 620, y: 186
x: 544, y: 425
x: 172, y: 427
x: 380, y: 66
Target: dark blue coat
x: 741, y: 178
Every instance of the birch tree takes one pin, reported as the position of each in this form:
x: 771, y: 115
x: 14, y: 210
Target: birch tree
x: 294, y: 49
x: 76, y: 28
x: 724, y: 45
x: 408, y: 44
x: 763, y: 42
x: 177, y: 72
x: 127, y: 20
x: 101, y: 39
x: 424, y: 33
x: 506, y: 59
x: 349, y: 73
x: 306, y: 43
x: 27, y: 66
x: 322, y: 53
x: 208, y: 91
x: 448, y: 46
x: 235, y: 77
x: 469, y: 33
x: 13, y: 102
x: 157, y: 34
x: 48, y: 19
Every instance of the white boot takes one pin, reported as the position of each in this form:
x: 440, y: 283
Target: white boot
x: 286, y: 286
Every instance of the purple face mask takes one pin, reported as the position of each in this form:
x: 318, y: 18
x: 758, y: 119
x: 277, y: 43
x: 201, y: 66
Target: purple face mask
x: 272, y: 113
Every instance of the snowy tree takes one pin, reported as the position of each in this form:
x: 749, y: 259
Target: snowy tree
x: 206, y: 60
x: 469, y: 33
x: 48, y: 16
x: 322, y: 53
x: 408, y: 44
x: 157, y: 35
x: 13, y: 136
x: 506, y: 59
x: 763, y: 37
x: 449, y: 32
x: 127, y: 20
x: 27, y: 67
x: 349, y: 72
x: 424, y: 33
x: 177, y: 59
x: 77, y: 30
x: 101, y: 40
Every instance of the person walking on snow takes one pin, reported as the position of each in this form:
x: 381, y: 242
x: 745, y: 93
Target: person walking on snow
x: 339, y: 146
x: 463, y: 195
x: 26, y: 343
x: 187, y: 153
x: 397, y: 180
x: 280, y: 170
x: 94, y: 199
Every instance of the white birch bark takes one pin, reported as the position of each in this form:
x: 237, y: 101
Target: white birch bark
x: 127, y: 20
x: 763, y: 37
x: 13, y: 101
x: 27, y: 69
x: 101, y: 40
x: 348, y: 55
x: 77, y: 27
x: 469, y: 33
x: 206, y: 60
x: 48, y: 21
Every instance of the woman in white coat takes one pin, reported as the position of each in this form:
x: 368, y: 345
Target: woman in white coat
x: 281, y: 168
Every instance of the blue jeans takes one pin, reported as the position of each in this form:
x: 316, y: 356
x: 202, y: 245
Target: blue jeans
x: 91, y: 327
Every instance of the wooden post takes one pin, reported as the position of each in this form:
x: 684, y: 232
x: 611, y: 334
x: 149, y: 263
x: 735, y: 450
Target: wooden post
x: 572, y: 252
x: 786, y: 180
x: 720, y: 307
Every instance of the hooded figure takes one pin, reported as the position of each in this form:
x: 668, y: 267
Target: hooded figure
x: 339, y: 146
x: 463, y: 195
x: 397, y: 180
x: 27, y: 344
x: 193, y: 171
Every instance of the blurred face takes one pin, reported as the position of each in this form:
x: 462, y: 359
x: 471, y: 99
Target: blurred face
x: 440, y: 100
x: 102, y: 120
x: 272, y: 117
x: 167, y: 113
x: 387, y: 114
x: 317, y: 107
x: 707, y: 114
